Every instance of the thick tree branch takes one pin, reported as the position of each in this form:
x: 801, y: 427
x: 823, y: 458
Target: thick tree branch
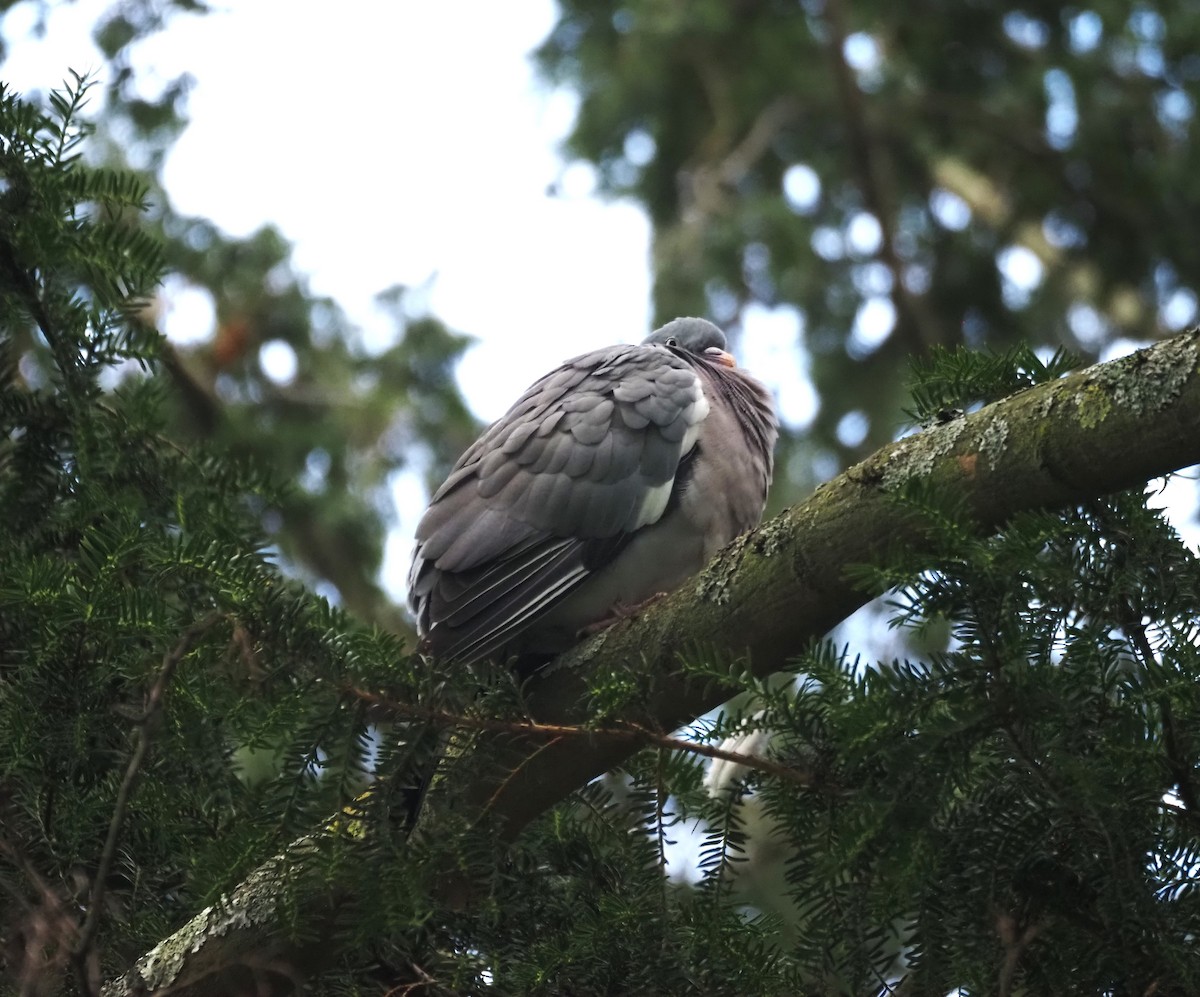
x: 1104, y: 429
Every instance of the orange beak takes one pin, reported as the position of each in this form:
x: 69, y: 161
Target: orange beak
x: 720, y: 356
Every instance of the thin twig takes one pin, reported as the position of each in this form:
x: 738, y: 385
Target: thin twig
x: 422, y: 981
x: 1176, y: 756
x: 1023, y: 752
x: 159, y: 437
x: 143, y: 736
x: 1014, y: 947
x: 25, y: 286
x: 624, y: 731
x: 1033, y: 766
x: 513, y: 775
x: 47, y: 929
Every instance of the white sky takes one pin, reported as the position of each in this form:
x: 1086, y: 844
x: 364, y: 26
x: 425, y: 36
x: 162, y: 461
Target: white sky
x: 403, y: 143
x: 426, y: 149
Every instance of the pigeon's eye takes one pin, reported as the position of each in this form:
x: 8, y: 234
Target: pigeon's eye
x: 672, y: 341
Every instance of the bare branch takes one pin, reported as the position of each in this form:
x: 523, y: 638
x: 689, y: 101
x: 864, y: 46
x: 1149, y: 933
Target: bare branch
x: 46, y: 932
x: 634, y: 735
x: 1015, y: 941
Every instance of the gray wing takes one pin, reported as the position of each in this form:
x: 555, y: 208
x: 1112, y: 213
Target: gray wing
x: 551, y: 493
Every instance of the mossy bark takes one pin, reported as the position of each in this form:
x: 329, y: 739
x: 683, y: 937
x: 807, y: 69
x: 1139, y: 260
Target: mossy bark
x: 763, y: 600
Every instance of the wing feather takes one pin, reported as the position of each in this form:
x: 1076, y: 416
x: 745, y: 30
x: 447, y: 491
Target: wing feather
x: 589, y: 453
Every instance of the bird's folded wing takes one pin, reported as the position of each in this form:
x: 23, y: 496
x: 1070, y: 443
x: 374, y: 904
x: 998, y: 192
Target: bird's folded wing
x: 551, y: 492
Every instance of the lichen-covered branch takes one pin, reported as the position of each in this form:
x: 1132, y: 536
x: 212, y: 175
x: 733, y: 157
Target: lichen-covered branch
x: 764, y: 598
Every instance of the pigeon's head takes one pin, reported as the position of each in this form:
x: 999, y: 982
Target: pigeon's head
x: 693, y: 335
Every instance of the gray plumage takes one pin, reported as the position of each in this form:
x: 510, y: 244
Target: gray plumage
x: 613, y: 478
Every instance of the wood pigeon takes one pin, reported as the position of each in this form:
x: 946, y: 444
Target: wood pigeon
x: 615, y: 477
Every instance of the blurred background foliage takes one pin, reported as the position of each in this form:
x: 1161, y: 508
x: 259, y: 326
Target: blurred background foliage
x: 930, y: 174
x: 346, y: 418
x: 892, y: 178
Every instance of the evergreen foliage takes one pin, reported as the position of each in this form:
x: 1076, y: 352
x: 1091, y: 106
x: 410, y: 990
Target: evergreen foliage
x: 129, y: 565
x: 1011, y: 810
x: 1010, y: 813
